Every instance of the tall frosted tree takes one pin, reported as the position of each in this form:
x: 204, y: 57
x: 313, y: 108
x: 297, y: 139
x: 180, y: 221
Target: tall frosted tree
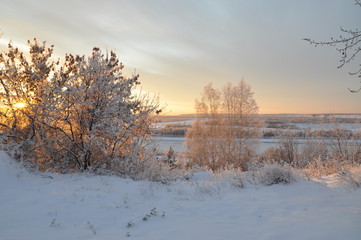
x: 78, y: 115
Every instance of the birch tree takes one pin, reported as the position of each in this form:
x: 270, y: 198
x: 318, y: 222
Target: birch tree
x: 226, y: 127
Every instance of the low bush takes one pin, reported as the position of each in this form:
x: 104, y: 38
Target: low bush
x: 235, y: 177
x: 320, y: 167
x: 351, y: 178
x: 267, y: 174
x: 271, y: 174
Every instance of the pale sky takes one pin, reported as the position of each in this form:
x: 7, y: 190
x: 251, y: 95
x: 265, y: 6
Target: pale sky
x: 178, y: 46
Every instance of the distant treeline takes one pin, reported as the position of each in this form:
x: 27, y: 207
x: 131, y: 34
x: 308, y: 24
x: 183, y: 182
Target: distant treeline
x: 273, y: 129
x: 331, y: 133
x: 178, y: 130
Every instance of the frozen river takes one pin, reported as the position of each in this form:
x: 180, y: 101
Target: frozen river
x: 177, y: 143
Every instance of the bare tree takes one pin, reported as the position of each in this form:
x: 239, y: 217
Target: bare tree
x: 225, y: 127
x: 348, y: 44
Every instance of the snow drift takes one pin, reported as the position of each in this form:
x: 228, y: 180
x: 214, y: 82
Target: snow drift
x: 75, y: 206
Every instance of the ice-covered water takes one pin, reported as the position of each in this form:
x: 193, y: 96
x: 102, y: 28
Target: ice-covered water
x: 164, y: 143
x: 177, y: 143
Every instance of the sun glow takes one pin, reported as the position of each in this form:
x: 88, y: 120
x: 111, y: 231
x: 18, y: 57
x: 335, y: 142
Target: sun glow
x: 19, y: 105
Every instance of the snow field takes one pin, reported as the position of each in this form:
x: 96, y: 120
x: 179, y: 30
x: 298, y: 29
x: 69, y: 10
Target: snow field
x: 75, y: 206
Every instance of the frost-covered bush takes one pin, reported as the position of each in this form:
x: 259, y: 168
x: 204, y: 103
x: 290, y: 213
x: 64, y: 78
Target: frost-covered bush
x: 352, y: 177
x: 208, y: 188
x: 235, y: 177
x: 78, y: 115
x: 149, y: 167
x: 319, y: 167
x: 157, y: 171
x: 273, y: 174
x: 267, y: 175
x: 322, y: 152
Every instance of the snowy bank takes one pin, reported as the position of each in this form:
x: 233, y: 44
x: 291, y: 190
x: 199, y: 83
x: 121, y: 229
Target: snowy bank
x: 76, y: 206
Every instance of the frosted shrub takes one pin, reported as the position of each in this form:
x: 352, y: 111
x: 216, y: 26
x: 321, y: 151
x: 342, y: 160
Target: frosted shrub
x: 352, y: 177
x: 267, y: 175
x: 79, y: 114
x: 158, y: 172
x: 150, y: 168
x: 211, y: 188
x: 235, y: 177
x: 274, y: 174
x: 319, y: 167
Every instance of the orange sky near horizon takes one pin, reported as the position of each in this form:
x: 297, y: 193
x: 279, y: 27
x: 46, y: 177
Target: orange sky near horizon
x: 177, y: 47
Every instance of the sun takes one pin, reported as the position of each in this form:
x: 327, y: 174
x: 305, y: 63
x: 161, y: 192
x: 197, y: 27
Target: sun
x: 19, y: 105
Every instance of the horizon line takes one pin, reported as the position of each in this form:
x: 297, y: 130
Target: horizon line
x: 184, y: 114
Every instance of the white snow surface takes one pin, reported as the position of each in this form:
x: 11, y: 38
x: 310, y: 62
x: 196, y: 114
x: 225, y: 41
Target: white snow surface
x: 76, y: 206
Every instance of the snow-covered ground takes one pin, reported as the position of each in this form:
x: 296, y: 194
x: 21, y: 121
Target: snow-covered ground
x: 74, y: 206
